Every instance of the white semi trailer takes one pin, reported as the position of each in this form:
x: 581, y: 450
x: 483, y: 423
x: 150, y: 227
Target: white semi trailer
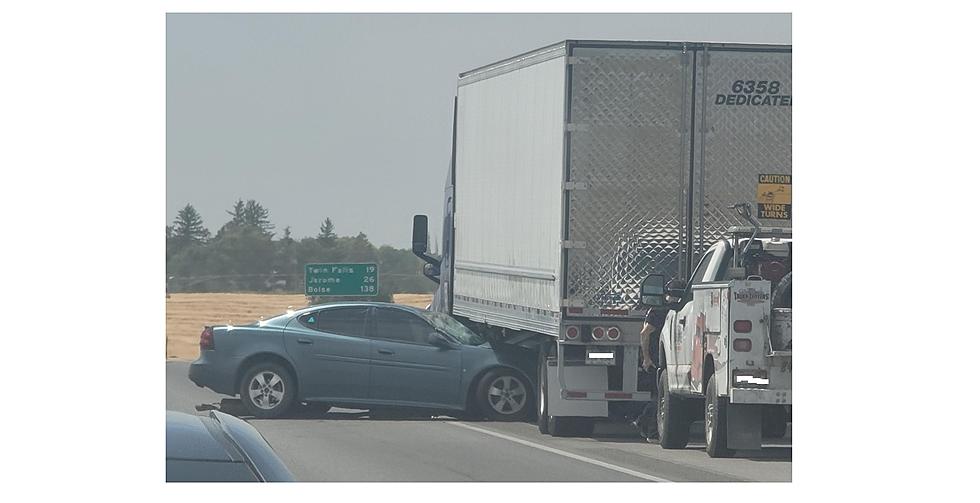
x: 581, y: 168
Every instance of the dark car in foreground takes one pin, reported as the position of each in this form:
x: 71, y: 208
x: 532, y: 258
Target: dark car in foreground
x: 219, y: 448
x: 363, y: 355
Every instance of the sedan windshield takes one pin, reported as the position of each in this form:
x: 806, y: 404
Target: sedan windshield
x: 449, y: 326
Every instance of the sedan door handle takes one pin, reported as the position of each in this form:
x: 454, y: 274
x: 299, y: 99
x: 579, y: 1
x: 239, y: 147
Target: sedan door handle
x: 304, y: 341
x: 682, y: 321
x: 386, y: 352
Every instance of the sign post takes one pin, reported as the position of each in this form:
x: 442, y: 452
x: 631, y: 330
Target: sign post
x: 342, y: 280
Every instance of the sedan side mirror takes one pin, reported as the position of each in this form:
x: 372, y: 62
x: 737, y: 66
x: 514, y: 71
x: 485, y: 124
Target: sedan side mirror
x: 438, y: 340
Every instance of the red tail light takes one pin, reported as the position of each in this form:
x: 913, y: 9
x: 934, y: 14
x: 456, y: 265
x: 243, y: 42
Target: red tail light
x: 598, y: 333
x: 612, y: 334
x: 743, y: 326
x: 571, y: 333
x: 207, y: 339
x: 742, y: 345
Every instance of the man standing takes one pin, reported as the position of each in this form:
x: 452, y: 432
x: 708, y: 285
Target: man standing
x: 646, y: 422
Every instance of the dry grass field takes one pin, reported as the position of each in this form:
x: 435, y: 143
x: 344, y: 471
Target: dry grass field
x: 187, y: 313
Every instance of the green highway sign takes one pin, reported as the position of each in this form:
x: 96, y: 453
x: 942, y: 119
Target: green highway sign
x: 342, y: 279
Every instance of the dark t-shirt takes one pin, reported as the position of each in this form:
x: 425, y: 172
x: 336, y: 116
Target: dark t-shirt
x: 656, y: 319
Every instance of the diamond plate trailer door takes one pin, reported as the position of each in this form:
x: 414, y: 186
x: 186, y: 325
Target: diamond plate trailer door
x: 628, y: 160
x: 744, y: 129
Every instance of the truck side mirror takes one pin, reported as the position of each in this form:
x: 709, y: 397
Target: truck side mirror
x: 420, y: 234
x: 652, y: 291
x: 676, y: 288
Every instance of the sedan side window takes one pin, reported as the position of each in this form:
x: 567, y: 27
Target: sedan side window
x: 401, y: 326
x: 343, y: 321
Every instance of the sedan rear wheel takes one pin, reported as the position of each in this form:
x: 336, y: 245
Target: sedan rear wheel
x: 267, y: 390
x: 502, y: 395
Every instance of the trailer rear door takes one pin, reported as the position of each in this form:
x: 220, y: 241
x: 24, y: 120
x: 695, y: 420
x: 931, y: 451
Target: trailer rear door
x: 743, y: 117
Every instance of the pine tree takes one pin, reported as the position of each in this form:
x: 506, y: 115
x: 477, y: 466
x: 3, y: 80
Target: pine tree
x: 237, y: 213
x: 327, y: 234
x: 257, y: 216
x: 188, y: 227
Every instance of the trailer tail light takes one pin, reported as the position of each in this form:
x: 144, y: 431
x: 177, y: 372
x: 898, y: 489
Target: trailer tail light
x: 207, y: 339
x: 571, y: 333
x: 743, y: 326
x: 612, y: 333
x: 742, y: 345
x: 598, y: 333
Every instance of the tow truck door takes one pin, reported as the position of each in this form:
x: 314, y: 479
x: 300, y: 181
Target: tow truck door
x: 689, y: 350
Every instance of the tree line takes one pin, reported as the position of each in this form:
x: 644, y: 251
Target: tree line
x: 244, y: 256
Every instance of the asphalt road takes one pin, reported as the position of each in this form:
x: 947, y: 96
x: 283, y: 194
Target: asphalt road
x: 351, y: 446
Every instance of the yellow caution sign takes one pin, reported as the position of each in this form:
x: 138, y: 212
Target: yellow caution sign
x: 775, y: 196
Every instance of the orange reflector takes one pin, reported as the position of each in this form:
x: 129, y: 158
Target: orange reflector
x: 742, y: 345
x: 575, y: 310
x: 620, y: 396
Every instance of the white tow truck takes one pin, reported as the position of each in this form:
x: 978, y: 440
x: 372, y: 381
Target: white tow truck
x: 726, y: 350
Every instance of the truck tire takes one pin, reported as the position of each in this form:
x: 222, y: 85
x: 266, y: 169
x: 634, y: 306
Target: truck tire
x: 267, y: 390
x: 557, y: 426
x: 673, y: 419
x: 543, y: 391
x: 503, y: 395
x: 716, y: 422
x: 774, y: 422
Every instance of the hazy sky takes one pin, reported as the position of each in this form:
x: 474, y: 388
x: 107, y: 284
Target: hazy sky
x: 349, y: 116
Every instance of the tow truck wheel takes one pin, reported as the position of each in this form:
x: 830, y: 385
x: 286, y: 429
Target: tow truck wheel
x: 715, y: 422
x: 673, y: 421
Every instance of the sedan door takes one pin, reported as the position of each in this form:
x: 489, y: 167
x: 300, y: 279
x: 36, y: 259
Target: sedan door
x: 405, y: 368
x: 332, y: 353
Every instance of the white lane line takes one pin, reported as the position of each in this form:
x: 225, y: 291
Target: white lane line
x: 559, y: 452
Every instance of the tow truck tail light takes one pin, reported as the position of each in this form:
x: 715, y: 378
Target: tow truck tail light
x: 612, y: 333
x: 207, y: 339
x: 598, y: 333
x: 571, y: 333
x: 743, y: 326
x: 742, y: 344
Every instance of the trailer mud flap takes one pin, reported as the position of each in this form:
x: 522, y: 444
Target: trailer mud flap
x: 744, y: 426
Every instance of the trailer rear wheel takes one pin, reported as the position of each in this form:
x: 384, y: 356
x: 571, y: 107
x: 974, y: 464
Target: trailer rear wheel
x: 543, y: 391
x: 673, y: 419
x: 557, y: 426
x: 716, y: 422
